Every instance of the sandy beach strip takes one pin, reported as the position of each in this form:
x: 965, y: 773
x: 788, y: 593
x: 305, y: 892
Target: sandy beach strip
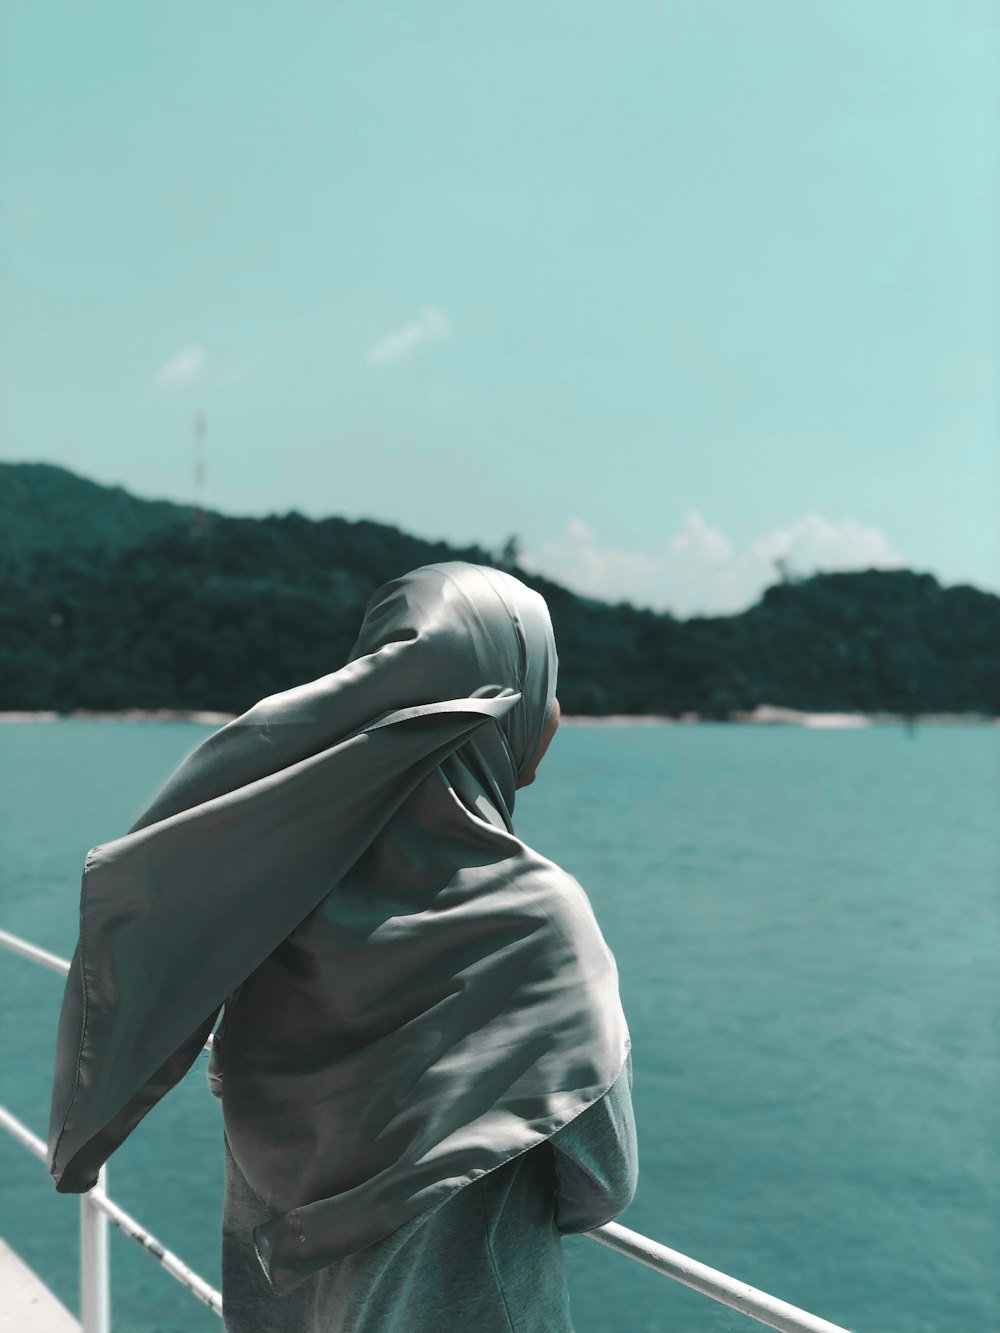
x: 771, y: 715
x: 763, y: 715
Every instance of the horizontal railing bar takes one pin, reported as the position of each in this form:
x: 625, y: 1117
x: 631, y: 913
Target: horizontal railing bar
x: 51, y: 960
x: 175, y: 1266
x: 709, y: 1282
x: 32, y: 951
x: 23, y: 1134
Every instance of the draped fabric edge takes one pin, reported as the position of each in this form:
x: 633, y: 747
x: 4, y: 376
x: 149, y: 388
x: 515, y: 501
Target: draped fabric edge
x: 82, y: 1137
x: 270, y: 1238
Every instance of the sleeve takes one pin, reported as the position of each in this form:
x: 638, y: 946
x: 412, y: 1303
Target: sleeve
x: 596, y: 1160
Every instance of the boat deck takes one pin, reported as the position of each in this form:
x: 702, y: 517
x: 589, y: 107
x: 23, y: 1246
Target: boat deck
x: 28, y: 1305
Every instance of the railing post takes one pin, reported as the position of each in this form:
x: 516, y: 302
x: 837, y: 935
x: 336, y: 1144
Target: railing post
x: 95, y: 1291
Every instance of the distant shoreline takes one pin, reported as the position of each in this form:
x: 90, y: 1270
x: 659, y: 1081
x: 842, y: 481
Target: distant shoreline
x: 763, y: 715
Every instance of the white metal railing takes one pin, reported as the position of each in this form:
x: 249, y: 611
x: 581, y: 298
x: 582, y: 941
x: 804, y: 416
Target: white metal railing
x: 96, y: 1208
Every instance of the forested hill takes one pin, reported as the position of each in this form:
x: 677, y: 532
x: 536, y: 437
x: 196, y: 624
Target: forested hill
x: 109, y: 601
x: 49, y: 508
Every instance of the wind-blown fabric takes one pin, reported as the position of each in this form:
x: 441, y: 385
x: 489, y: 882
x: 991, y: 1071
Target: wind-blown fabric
x: 413, y: 995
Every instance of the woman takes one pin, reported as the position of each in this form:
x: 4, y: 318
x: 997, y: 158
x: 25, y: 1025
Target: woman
x: 424, y: 1066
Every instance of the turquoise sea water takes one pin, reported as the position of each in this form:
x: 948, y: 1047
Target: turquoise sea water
x: 806, y: 925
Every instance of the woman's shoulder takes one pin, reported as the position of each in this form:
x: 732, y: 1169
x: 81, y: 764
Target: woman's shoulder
x: 546, y: 878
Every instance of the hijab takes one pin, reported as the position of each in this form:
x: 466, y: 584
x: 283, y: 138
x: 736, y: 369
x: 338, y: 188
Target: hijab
x: 413, y: 996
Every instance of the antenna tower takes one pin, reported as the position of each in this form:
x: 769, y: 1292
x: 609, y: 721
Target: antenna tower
x: 199, y: 518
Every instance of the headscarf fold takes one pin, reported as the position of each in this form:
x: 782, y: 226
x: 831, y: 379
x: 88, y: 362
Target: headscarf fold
x: 413, y: 996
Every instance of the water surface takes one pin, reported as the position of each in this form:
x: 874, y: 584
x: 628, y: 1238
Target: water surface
x: 806, y: 925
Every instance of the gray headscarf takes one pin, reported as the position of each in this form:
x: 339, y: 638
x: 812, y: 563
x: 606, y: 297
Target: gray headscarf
x: 413, y: 996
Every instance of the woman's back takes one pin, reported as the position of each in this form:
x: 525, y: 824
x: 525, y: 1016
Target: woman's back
x: 487, y: 1260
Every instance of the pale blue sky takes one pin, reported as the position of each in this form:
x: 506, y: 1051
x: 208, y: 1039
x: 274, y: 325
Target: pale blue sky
x: 665, y: 289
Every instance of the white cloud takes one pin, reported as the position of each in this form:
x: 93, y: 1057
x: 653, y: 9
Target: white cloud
x: 431, y: 326
x: 577, y: 560
x: 699, y: 571
x: 699, y: 539
x: 185, y: 367
x: 816, y: 543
